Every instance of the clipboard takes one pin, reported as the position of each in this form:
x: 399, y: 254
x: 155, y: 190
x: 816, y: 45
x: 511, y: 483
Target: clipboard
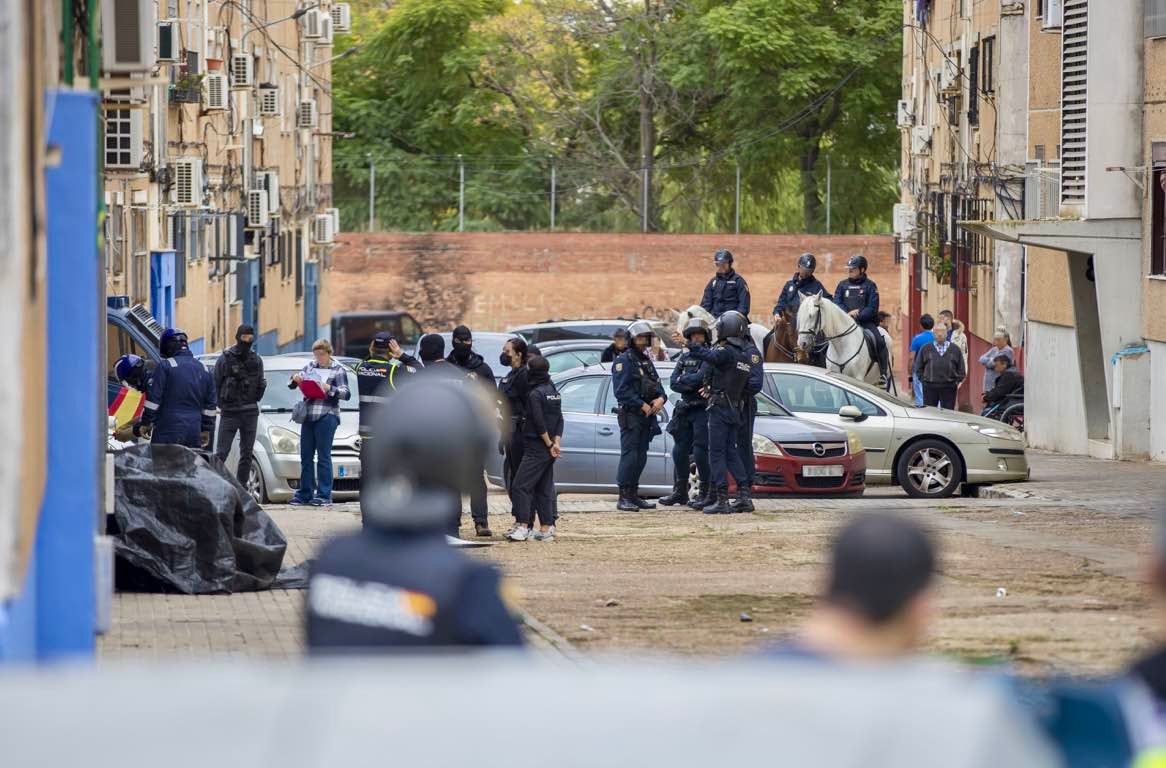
x: 312, y: 389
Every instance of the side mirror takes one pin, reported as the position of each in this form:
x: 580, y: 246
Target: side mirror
x: 850, y: 412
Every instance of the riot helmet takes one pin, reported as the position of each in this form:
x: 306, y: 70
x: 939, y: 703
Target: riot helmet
x: 172, y: 341
x: 732, y: 325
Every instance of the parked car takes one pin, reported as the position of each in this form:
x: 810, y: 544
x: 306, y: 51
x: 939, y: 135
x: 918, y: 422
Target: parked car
x: 571, y: 330
x: 129, y: 330
x: 928, y: 451
x: 793, y: 455
x: 352, y: 332
x: 565, y: 355
x: 275, y: 471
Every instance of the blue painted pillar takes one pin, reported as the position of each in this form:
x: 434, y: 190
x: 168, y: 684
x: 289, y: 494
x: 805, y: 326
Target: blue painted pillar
x: 68, y: 517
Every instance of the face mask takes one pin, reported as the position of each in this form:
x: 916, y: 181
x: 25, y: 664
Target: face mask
x: 461, y: 352
x: 504, y: 359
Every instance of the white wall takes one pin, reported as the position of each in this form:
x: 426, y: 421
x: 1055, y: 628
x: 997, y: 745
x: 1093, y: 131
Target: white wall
x: 1157, y: 386
x: 1054, y: 405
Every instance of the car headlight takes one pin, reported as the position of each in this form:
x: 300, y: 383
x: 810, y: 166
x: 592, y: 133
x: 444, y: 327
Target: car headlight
x: 283, y: 440
x: 854, y: 442
x: 763, y: 446
x: 1003, y: 432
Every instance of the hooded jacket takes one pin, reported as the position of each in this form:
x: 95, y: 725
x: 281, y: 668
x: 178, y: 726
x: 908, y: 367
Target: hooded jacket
x: 475, y: 367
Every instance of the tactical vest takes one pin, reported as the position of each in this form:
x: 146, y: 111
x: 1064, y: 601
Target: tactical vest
x: 241, y: 383
x: 732, y: 378
x: 727, y: 292
x: 855, y: 296
x: 690, y: 366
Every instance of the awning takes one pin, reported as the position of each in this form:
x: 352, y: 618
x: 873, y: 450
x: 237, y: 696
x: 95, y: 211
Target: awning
x: 1080, y: 235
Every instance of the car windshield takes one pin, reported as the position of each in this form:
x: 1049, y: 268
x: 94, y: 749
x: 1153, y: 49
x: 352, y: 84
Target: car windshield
x: 871, y: 389
x: 279, y: 398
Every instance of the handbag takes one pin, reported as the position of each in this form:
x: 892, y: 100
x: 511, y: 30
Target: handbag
x: 300, y: 411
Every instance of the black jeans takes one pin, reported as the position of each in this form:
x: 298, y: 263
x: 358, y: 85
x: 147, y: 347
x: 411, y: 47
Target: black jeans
x: 534, y: 484
x: 245, y: 423
x: 745, y: 442
x: 942, y: 395
x: 635, y: 435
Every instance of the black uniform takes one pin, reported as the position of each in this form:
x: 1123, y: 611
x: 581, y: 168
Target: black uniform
x: 791, y: 293
x: 376, y: 378
x: 725, y: 292
x: 730, y: 376
x: 515, y: 386
x: 534, y: 483
x: 475, y: 368
x: 863, y: 295
x: 753, y: 386
x: 240, y: 385
x: 690, y: 425
x: 636, y: 382
x: 180, y: 402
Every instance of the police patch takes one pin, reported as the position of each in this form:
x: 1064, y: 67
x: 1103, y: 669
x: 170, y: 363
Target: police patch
x: 619, y: 366
x: 756, y: 359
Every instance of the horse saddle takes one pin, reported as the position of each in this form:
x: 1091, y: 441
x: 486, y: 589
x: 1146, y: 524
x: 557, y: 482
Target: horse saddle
x: 877, y: 351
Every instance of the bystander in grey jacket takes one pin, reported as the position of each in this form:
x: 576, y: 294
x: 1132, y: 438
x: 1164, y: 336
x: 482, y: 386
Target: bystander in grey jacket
x: 946, y: 369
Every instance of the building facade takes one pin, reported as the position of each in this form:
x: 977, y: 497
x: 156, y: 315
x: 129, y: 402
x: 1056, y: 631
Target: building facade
x: 1073, y: 204
x: 218, y: 166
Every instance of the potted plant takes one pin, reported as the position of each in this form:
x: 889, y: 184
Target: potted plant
x: 186, y: 89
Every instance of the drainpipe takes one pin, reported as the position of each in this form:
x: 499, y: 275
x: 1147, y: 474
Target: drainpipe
x: 67, y: 40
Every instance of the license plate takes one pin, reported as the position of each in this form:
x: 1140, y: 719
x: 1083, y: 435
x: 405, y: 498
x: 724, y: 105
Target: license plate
x: 346, y: 472
x: 822, y: 470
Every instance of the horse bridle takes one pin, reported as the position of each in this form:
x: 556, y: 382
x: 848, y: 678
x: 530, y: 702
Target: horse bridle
x: 827, y: 339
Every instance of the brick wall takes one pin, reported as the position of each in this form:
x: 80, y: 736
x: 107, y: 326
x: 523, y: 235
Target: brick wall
x: 494, y: 280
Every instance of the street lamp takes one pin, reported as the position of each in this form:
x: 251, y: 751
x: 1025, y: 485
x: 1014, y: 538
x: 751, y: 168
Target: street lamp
x: 299, y: 13
x: 337, y: 57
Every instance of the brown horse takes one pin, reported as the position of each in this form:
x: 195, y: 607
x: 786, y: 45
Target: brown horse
x: 781, y: 345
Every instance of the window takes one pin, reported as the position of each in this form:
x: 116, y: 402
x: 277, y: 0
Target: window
x: 580, y: 395
x: 1158, y: 210
x: 123, y: 137
x: 988, y: 67
x: 178, y: 243
x: 565, y: 361
x: 1154, y: 21
x: 866, y: 406
x: 974, y: 86
x: 115, y: 239
x: 299, y: 266
x: 410, y: 331
x: 767, y: 407
x: 119, y: 342
x: 808, y: 395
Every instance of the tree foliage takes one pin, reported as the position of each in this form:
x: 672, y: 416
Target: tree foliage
x: 645, y: 109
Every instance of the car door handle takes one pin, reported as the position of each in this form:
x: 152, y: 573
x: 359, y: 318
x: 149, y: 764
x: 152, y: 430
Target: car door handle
x: 606, y: 431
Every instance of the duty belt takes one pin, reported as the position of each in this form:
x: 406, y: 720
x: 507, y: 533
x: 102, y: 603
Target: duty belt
x: 721, y: 398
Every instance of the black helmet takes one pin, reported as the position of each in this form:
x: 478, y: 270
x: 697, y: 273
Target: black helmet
x: 695, y: 325
x: 640, y: 328
x: 723, y: 257
x: 732, y: 325
x: 431, y: 439
x: 807, y: 261
x: 172, y: 340
x: 857, y: 261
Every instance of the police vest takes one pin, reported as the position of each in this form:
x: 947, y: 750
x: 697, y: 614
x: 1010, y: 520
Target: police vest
x: 371, y: 376
x: 856, y: 296
x: 241, y: 385
x: 731, y: 379
x: 727, y: 293
x: 690, y: 366
x: 647, y: 378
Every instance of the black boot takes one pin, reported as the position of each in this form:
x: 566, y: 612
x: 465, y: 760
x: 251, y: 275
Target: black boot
x: 626, y: 502
x: 640, y: 502
x: 679, y: 495
x: 702, y: 499
x: 744, y: 502
x: 720, y: 505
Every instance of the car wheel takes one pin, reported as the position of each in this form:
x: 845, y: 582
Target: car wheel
x: 930, y: 469
x: 255, y: 484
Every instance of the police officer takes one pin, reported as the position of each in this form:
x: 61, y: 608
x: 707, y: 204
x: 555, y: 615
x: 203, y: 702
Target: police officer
x: 803, y: 282
x: 180, y: 403
x: 542, y: 434
x: 730, y: 376
x: 689, y: 424
x: 514, y: 386
x: 641, y: 397
x: 727, y: 290
x: 859, y: 297
x: 744, y: 500
x: 376, y: 377
x: 239, y: 385
x: 397, y: 585
x: 131, y: 371
x: 475, y: 368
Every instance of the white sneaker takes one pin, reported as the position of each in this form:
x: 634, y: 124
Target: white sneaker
x: 538, y: 535
x: 518, y: 533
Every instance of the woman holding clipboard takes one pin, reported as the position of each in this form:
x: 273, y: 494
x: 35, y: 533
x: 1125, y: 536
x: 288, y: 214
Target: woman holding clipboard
x: 324, y: 384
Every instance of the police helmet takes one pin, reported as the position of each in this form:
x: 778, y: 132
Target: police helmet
x: 807, y: 261
x: 130, y: 369
x: 695, y: 325
x: 640, y: 328
x: 429, y: 448
x: 723, y: 257
x: 732, y: 325
x: 172, y: 340
x: 857, y: 261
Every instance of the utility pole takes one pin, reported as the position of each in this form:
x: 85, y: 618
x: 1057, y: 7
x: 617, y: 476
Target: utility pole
x: 644, y: 190
x: 552, y: 193
x: 737, y: 210
x: 461, y: 195
x: 827, y: 194
x: 372, y: 193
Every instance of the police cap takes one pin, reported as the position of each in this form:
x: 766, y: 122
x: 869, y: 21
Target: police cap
x: 382, y: 340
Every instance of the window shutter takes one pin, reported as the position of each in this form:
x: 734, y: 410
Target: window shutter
x: 299, y: 266
x: 1154, y: 21
x: 974, y: 86
x: 1074, y: 67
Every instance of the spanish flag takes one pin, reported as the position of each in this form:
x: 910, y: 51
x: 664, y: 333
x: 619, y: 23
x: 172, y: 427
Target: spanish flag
x: 126, y: 407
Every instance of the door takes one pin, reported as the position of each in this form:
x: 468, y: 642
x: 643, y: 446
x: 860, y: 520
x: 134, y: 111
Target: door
x: 657, y: 475
x: 311, y: 281
x: 581, y: 421
x: 162, y: 287
x: 819, y: 400
x: 249, y: 293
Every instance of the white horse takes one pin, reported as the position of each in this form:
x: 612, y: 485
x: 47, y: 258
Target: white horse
x: 757, y: 331
x: 847, y: 352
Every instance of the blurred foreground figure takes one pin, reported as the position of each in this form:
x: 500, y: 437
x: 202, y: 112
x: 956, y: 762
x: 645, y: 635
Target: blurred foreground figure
x: 397, y: 584
x: 878, y: 600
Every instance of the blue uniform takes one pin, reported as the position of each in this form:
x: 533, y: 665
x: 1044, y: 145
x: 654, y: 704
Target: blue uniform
x: 690, y: 424
x: 180, y: 401
x: 753, y: 386
x: 791, y: 295
x: 636, y: 382
x: 725, y: 292
x: 863, y: 296
x: 730, y: 375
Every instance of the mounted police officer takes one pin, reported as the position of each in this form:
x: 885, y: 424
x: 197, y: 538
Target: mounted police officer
x: 802, y: 283
x: 689, y: 426
x: 744, y: 501
x: 377, y: 376
x: 727, y: 290
x: 180, y: 403
x: 641, y: 397
x: 859, y: 297
x: 731, y: 368
x: 397, y: 584
x: 239, y: 384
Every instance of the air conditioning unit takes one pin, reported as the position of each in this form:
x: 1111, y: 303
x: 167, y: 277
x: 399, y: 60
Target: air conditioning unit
x: 949, y: 77
x: 268, y: 181
x: 921, y: 140
x: 905, y: 119
x: 216, y: 91
x: 307, y: 116
x: 341, y: 17
x: 186, y: 189
x: 258, y: 212
x: 168, y: 47
x: 322, y: 229
x: 325, y: 30
x: 904, y: 216
x: 268, y: 101
x: 335, y: 214
x: 128, y: 31
x: 242, y: 70
x: 313, y: 28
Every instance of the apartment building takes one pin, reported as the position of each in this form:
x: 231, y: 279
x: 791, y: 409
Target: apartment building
x: 1075, y: 208
x: 217, y: 165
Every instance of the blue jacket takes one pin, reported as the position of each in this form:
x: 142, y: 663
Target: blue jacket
x: 863, y: 296
x: 791, y: 294
x: 725, y: 292
x: 180, y: 402
x: 756, y: 369
x: 633, y: 375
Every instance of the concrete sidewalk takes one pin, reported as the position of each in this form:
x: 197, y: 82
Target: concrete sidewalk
x: 1136, y: 487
